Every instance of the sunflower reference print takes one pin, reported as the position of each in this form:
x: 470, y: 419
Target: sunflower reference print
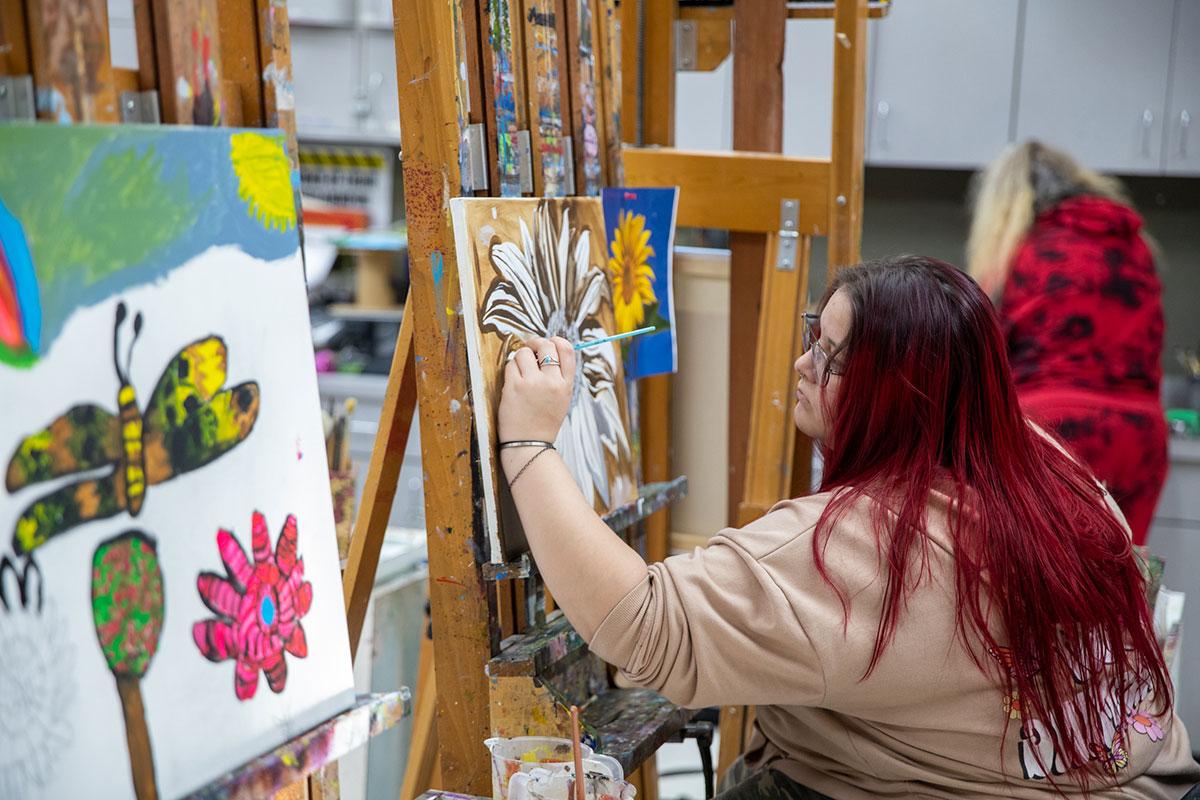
x: 632, y: 276
x: 547, y: 286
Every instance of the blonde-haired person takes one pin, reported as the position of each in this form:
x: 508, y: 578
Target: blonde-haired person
x: 1061, y: 252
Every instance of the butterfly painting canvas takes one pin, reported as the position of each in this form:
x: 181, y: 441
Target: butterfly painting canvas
x: 170, y: 593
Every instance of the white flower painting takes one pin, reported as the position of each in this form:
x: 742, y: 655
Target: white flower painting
x: 530, y: 268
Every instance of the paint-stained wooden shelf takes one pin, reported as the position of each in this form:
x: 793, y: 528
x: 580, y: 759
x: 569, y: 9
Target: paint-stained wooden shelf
x: 652, y: 497
x: 631, y: 724
x: 292, y: 761
x: 627, y: 724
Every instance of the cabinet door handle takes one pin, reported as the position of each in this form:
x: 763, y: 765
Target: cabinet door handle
x: 1147, y: 124
x: 882, y: 111
x: 1185, y: 122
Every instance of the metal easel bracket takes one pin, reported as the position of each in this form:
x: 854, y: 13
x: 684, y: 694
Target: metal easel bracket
x: 789, y: 236
x: 477, y: 172
x: 525, y: 161
x: 685, y: 45
x: 140, y: 107
x: 568, y: 166
x: 16, y: 98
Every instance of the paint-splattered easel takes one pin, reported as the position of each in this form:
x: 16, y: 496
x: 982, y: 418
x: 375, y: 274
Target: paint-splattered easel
x: 528, y: 104
x: 202, y: 62
x: 773, y: 206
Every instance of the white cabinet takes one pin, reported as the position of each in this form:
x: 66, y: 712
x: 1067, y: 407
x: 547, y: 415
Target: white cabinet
x: 1181, y: 136
x: 941, y: 92
x: 378, y: 95
x: 324, y: 68
x: 344, y: 69
x: 704, y: 108
x: 704, y: 100
x: 1093, y: 79
x: 808, y: 86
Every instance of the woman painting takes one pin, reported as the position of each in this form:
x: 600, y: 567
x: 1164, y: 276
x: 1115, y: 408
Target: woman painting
x: 957, y: 613
x: 1060, y: 250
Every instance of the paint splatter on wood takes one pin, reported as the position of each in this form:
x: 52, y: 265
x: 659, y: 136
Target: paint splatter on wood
x: 72, y: 69
x: 545, y: 100
x: 371, y: 715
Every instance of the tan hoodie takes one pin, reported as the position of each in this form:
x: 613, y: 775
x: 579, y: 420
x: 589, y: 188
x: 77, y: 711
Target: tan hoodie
x: 749, y: 620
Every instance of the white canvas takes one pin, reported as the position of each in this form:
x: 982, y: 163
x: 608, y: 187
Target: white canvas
x: 56, y: 689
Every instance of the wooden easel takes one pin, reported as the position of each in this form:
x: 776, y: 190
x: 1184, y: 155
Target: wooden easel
x: 486, y: 615
x: 250, y: 44
x: 431, y: 147
x: 750, y: 196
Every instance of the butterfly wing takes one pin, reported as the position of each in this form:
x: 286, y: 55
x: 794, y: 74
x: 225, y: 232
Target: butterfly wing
x: 84, y: 438
x: 189, y: 421
x: 66, y: 507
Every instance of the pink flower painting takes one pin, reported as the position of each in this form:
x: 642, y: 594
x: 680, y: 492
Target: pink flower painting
x: 258, y: 607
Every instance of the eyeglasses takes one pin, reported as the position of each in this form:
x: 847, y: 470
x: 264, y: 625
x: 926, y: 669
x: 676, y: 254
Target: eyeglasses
x: 822, y: 363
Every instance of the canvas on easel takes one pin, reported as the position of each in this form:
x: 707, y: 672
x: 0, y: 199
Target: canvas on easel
x: 535, y: 267
x: 170, y: 594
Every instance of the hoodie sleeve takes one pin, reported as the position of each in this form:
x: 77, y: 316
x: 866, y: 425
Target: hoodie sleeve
x: 716, y: 627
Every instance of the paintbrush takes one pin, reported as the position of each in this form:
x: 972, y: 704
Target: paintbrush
x: 613, y: 338
x: 597, y: 342
x: 576, y: 753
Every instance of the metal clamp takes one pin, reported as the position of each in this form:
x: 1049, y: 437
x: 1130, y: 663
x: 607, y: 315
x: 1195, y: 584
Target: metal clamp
x: 476, y: 178
x: 16, y: 98
x: 685, y: 45
x: 789, y: 234
x: 525, y: 161
x: 140, y: 107
x: 568, y: 166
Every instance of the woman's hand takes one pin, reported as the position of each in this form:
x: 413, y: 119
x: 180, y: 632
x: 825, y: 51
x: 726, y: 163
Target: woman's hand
x: 535, y: 398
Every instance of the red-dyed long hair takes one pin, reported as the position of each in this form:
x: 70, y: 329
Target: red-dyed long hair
x: 926, y: 401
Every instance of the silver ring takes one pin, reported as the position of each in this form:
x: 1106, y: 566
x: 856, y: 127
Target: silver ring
x: 547, y: 361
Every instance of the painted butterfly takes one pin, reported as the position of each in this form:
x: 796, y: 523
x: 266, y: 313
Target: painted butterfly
x: 188, y: 423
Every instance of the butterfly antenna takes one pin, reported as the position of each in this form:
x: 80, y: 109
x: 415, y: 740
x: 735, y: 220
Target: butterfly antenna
x: 116, y: 338
x: 137, y: 330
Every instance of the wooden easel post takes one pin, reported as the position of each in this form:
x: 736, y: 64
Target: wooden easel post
x: 650, y: 120
x: 849, y: 132
x: 460, y: 600
x: 758, y: 38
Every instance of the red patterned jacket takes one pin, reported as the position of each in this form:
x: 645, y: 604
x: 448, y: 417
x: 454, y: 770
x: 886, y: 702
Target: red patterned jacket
x: 1083, y: 304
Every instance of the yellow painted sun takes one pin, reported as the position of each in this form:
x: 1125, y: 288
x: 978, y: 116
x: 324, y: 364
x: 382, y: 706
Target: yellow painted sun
x: 264, y: 179
x: 632, y: 276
